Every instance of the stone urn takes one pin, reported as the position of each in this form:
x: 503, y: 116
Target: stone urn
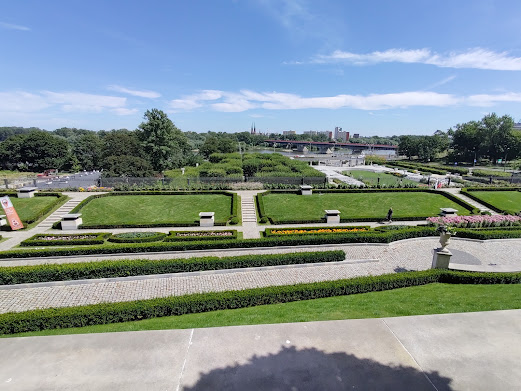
x: 444, y: 239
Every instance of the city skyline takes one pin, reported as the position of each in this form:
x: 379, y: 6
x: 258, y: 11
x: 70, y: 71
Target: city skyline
x: 373, y: 68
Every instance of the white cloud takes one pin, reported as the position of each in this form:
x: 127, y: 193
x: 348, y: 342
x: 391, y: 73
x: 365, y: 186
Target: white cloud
x: 21, y: 101
x: 27, y: 102
x: 140, y: 93
x: 124, y: 111
x: 477, y: 58
x: 490, y: 100
x: 78, y: 101
x: 9, y: 26
x: 244, y: 100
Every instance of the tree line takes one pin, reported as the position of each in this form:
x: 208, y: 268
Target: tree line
x: 158, y: 145
x: 490, y: 139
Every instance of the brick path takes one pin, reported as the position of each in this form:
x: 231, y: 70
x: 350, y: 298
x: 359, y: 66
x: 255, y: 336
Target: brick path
x: 413, y: 254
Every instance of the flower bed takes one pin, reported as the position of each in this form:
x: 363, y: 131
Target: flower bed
x: 476, y: 221
x: 201, y: 235
x: 65, y: 239
x: 307, y: 231
x: 137, y: 237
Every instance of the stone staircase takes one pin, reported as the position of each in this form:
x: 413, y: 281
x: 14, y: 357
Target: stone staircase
x: 249, y: 214
x: 58, y: 213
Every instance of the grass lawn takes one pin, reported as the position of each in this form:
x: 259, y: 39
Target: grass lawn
x: 16, y: 174
x: 150, y: 209
x: 371, y: 178
x: 509, y: 201
x: 287, y: 207
x: 29, y: 208
x: 421, y: 300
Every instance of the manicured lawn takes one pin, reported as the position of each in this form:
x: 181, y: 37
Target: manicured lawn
x: 421, y: 300
x: 150, y: 209
x: 286, y: 207
x: 509, y: 201
x: 29, y: 208
x: 371, y: 178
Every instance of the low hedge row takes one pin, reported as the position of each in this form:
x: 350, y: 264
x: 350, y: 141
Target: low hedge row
x: 156, y: 237
x: 269, y: 231
x: 274, y: 241
x: 174, y: 236
x: 107, y: 313
x: 37, y: 241
x: 136, y: 267
x: 491, y: 233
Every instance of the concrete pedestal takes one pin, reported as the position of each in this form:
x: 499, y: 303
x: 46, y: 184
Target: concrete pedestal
x: 332, y: 216
x: 27, y: 192
x: 206, y: 219
x: 306, y: 190
x: 441, y: 259
x: 71, y: 221
x: 448, y: 212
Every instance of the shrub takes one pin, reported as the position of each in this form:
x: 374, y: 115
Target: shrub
x: 107, y: 313
x: 66, y: 239
x: 137, y: 237
x: 176, y: 236
x: 135, y: 267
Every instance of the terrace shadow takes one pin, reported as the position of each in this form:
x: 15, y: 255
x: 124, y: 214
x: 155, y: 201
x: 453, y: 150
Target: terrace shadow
x: 313, y: 369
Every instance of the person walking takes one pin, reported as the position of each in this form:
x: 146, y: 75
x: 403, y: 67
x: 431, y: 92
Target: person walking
x: 390, y: 215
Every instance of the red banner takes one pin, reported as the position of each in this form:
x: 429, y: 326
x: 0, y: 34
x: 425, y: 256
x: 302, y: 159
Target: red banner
x: 10, y: 213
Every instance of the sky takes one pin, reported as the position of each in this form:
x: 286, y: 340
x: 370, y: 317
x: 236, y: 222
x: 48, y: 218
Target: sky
x: 373, y: 67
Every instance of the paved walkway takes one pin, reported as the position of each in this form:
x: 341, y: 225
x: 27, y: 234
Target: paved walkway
x: 361, y: 260
x: 470, y: 351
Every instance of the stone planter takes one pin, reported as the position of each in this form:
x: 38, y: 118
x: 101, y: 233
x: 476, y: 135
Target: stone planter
x: 332, y: 216
x: 444, y: 240
x: 206, y: 219
x: 306, y: 190
x: 71, y: 221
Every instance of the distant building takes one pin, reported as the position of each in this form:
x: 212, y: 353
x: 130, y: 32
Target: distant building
x: 310, y: 133
x: 337, y: 130
x: 356, y: 135
x: 517, y: 126
x: 253, y: 130
x: 288, y: 132
x: 341, y: 135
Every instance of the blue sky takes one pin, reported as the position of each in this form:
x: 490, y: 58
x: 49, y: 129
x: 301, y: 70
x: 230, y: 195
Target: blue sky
x: 371, y: 67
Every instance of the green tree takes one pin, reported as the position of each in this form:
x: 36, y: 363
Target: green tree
x: 127, y: 166
x: 10, y: 157
x: 41, y: 150
x: 88, y: 150
x: 164, y: 145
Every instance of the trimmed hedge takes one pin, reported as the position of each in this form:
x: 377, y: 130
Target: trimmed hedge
x: 136, y: 267
x: 35, y: 241
x: 269, y: 231
x: 81, y: 205
x: 120, y: 238
x: 262, y: 213
x: 107, y: 313
x: 369, y: 237
x: 490, y: 233
x: 174, y: 236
